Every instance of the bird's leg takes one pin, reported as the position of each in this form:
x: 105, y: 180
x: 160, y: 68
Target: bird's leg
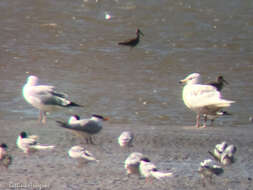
x: 205, y: 121
x: 198, y: 120
x: 40, y: 116
x: 44, y: 117
x: 87, y: 140
x: 91, y: 140
x: 212, y: 121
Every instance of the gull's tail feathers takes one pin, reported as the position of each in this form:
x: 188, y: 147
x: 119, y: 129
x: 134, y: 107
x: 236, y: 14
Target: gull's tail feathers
x: 159, y: 175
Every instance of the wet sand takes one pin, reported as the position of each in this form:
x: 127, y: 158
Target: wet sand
x: 179, y: 149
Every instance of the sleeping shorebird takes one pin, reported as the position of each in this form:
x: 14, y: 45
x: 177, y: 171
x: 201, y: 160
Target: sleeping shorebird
x: 84, y: 128
x: 126, y: 139
x: 132, y: 163
x: 5, y: 158
x: 218, y: 150
x: 227, y: 156
x: 219, y: 83
x: 132, y: 42
x: 202, y: 99
x: 208, y: 169
x: 29, y: 144
x: 80, y: 153
x: 44, y: 97
x: 215, y: 116
x: 148, y: 170
x: 224, y: 153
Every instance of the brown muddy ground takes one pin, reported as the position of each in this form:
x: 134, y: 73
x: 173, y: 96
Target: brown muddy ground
x: 172, y: 148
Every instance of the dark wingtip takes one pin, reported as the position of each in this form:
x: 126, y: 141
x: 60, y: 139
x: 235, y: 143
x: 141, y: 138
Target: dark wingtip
x: 73, y: 104
x: 61, y: 123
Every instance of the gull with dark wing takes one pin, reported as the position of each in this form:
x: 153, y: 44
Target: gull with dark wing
x: 29, y: 144
x: 202, y: 99
x: 44, y: 97
x: 80, y: 153
x: 84, y: 128
x: 132, y: 42
x: 5, y: 158
x: 148, y: 170
x: 125, y: 139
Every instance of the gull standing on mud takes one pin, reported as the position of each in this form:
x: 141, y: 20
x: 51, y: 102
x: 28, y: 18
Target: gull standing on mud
x: 29, y: 144
x: 5, y: 158
x: 44, y: 97
x: 126, y: 139
x: 80, y: 153
x: 84, y: 128
x: 148, y: 170
x: 202, y: 99
x: 132, y: 163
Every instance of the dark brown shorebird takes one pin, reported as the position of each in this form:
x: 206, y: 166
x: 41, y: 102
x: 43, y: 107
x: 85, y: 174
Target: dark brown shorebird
x: 132, y: 42
x: 219, y: 83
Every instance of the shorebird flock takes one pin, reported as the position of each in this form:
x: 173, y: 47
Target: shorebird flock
x: 204, y: 99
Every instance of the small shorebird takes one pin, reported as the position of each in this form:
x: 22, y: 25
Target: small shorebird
x: 202, y: 99
x: 126, y: 139
x: 132, y: 163
x: 208, y: 169
x: 84, y: 128
x: 5, y: 158
x: 227, y: 156
x: 29, y: 144
x: 219, y: 83
x: 215, y: 116
x: 218, y: 150
x: 132, y: 42
x: 224, y: 153
x: 148, y: 170
x: 80, y: 153
x: 44, y: 97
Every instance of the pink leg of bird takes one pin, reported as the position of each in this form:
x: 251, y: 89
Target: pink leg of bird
x: 198, y: 120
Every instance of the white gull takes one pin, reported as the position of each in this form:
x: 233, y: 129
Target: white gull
x: 202, y: 99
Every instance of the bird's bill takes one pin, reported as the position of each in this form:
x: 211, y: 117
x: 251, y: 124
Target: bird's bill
x: 182, y: 81
x: 106, y: 118
x: 141, y: 33
x: 226, y: 82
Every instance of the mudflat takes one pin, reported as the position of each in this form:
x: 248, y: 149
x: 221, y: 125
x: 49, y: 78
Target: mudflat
x: 177, y: 149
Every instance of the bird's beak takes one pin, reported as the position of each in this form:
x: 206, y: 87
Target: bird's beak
x: 226, y: 82
x: 182, y: 81
x: 106, y: 119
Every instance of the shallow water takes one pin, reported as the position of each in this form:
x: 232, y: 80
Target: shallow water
x: 71, y: 45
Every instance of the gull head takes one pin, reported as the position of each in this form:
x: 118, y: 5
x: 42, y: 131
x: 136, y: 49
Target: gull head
x: 193, y: 78
x: 32, y: 80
